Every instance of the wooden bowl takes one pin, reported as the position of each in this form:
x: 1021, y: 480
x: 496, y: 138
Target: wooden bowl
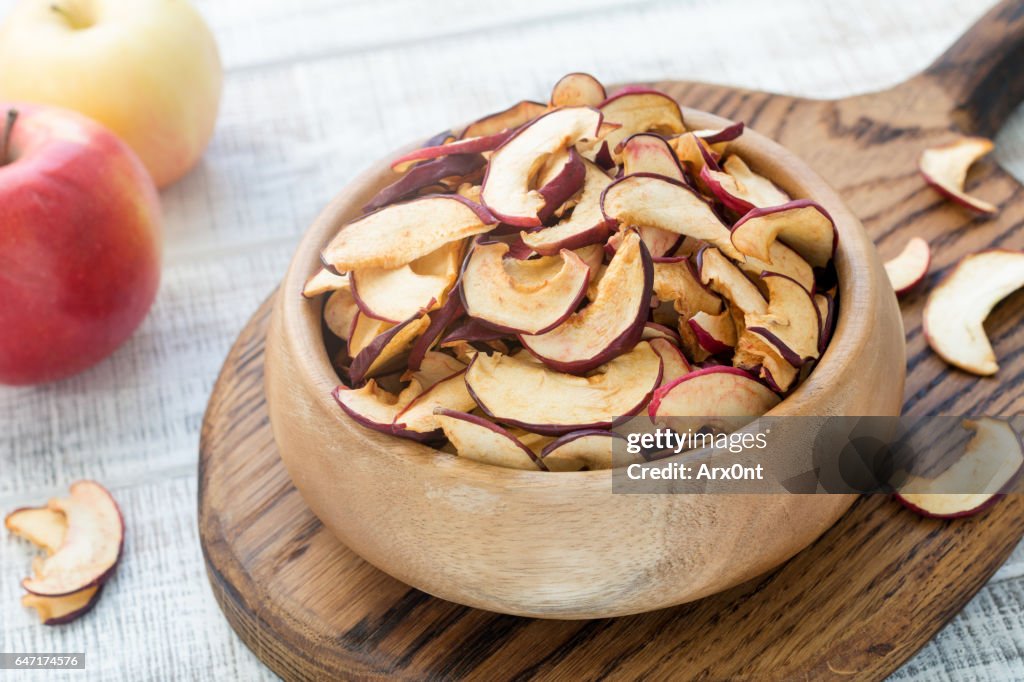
x: 562, y: 545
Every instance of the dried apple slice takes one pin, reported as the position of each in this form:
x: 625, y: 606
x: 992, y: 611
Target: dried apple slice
x: 372, y: 406
x: 535, y: 441
x: 653, y: 330
x: 727, y: 190
x: 755, y: 355
x: 434, y: 367
x: 910, y: 267
x: 468, y: 145
x: 578, y: 90
x: 641, y: 110
x: 484, y: 441
x: 401, y: 233
x: 650, y: 153
x: 676, y: 280
x: 689, y: 344
x: 396, y: 294
x: 417, y: 420
x: 760, y: 190
x: 827, y: 313
x: 693, y: 153
x: 991, y: 463
x: 586, y: 225
x: 665, y: 314
x: 534, y: 268
x: 590, y: 449
x: 592, y: 255
x: 363, y: 332
x: 715, y: 333
x: 42, y: 526
x: 741, y: 189
x: 443, y: 137
x: 713, y: 392
x: 673, y: 363
x: 385, y: 350
x: 424, y: 175
x: 463, y: 350
x: 656, y: 201
x: 724, y: 278
x: 659, y: 243
x: 340, y: 310
x: 785, y: 261
x: 508, y: 119
x: 323, y: 282
x: 957, y: 307
x: 91, y: 547
x: 522, y: 393
x: 468, y: 190
x: 559, y: 180
x: 507, y: 190
x: 61, y: 610
x: 530, y: 305
x: 791, y: 323
x: 803, y: 225
x: 945, y: 168
x: 611, y: 324
x: 440, y: 320
x: 718, y: 137
x: 471, y: 330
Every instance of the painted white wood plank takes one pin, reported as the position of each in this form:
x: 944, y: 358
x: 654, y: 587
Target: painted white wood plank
x: 984, y: 642
x: 293, y: 135
x: 255, y: 34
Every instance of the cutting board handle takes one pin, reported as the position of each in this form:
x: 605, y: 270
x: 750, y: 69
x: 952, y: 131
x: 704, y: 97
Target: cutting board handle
x: 983, y: 72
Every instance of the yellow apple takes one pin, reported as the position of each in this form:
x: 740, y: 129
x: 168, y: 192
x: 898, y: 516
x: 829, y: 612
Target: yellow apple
x: 148, y: 70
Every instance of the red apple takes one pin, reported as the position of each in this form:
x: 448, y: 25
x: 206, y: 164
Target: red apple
x: 80, y: 244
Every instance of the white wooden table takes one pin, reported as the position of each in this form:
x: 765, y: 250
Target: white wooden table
x: 316, y: 89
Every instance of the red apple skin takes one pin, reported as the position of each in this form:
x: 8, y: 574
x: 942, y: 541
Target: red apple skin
x: 726, y: 134
x: 80, y: 245
x: 707, y: 341
x: 440, y: 319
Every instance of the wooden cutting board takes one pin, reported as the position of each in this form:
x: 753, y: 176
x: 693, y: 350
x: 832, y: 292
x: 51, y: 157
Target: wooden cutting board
x: 854, y: 605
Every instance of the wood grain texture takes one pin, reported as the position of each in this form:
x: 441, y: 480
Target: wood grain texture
x: 854, y: 605
x: 314, y: 89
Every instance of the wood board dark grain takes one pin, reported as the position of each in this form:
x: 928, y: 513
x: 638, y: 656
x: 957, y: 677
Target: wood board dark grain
x: 855, y: 604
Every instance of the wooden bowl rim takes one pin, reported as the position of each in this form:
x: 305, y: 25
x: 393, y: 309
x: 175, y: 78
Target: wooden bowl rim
x: 853, y: 261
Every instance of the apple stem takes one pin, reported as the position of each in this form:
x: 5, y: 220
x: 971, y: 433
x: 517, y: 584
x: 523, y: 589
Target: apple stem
x: 74, y: 19
x: 12, y: 116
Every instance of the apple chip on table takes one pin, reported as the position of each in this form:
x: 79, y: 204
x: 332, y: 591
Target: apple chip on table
x: 82, y: 536
x: 555, y: 266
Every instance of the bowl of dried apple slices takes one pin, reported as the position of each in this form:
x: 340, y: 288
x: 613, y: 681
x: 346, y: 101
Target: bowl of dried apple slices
x: 462, y: 325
